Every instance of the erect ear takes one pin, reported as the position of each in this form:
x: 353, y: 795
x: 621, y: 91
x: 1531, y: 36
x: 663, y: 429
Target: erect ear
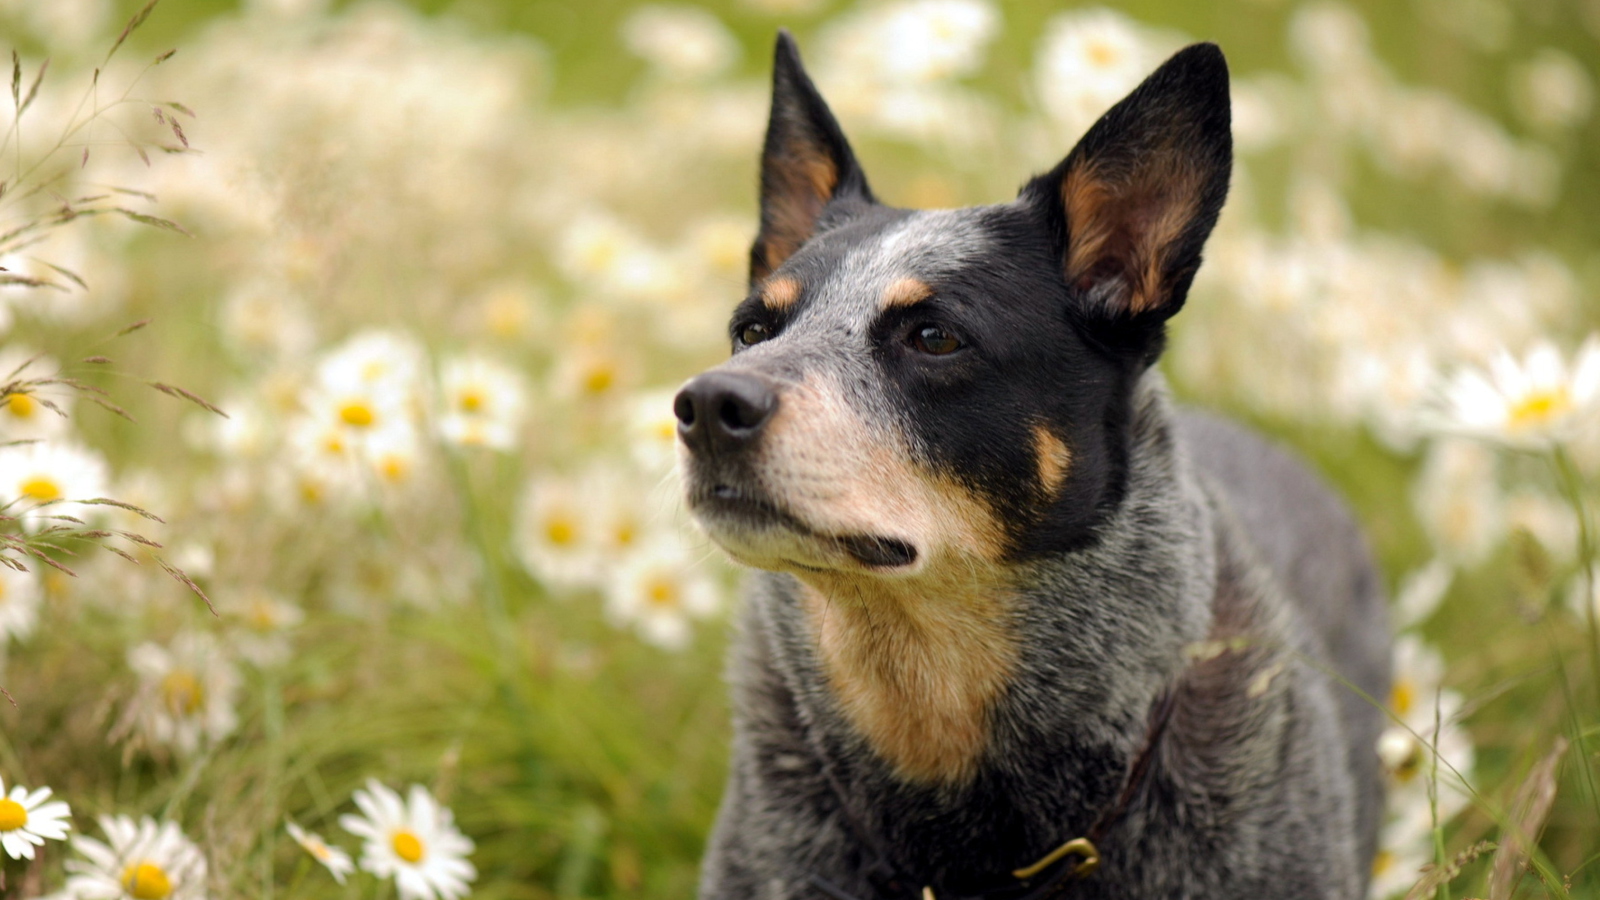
x: 1134, y: 202
x: 805, y: 164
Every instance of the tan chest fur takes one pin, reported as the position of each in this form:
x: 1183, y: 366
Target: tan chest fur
x: 914, y: 670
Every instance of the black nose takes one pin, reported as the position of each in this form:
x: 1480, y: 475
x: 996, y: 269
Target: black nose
x: 723, y: 410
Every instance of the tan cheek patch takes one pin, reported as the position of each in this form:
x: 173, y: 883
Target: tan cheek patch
x: 916, y: 667
x: 780, y: 294
x: 841, y: 477
x: 905, y: 292
x: 1055, y: 460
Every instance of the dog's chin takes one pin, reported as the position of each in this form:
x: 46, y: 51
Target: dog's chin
x: 761, y: 533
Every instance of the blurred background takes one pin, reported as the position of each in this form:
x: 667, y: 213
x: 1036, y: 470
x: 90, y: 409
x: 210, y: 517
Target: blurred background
x: 443, y: 264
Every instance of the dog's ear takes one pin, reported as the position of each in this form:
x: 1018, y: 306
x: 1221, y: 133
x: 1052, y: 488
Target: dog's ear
x: 805, y: 164
x: 1133, y: 203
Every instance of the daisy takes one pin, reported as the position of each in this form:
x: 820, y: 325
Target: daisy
x: 186, y: 692
x: 26, y: 820
x: 264, y: 621
x: 1090, y: 59
x: 657, y: 591
x: 928, y: 40
x: 681, y: 42
x: 1532, y: 402
x: 19, y: 603
x: 482, y: 403
x: 415, y: 842
x: 23, y: 416
x: 558, y: 535
x: 139, y: 861
x: 32, y: 475
x: 372, y: 361
x: 337, y: 861
x: 653, y: 431
x: 349, y: 416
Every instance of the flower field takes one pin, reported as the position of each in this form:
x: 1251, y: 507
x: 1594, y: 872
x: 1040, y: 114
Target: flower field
x: 343, y: 550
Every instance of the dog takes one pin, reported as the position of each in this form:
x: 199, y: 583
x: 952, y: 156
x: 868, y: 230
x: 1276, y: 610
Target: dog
x: 1021, y: 628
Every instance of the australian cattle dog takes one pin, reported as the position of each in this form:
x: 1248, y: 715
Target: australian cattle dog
x: 1022, y: 628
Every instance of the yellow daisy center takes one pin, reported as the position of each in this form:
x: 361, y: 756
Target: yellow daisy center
x: 1401, y: 696
x: 317, y: 849
x: 599, y: 379
x: 598, y: 255
x: 471, y: 400
x: 42, y: 488
x: 394, y: 467
x: 357, y: 413
x: 146, y: 881
x: 1382, y: 862
x: 12, y: 815
x: 662, y: 592
x: 1539, y: 408
x: 182, y: 692
x: 560, y: 531
x: 262, y: 616
x: 1409, y: 766
x: 625, y: 534
x: 1102, y: 54
x: 407, y: 846
x: 21, y: 405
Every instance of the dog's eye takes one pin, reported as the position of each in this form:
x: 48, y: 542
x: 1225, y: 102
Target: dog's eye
x: 934, y: 341
x: 753, y: 333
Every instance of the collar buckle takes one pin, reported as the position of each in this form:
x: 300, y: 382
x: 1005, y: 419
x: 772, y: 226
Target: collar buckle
x: 1080, y: 846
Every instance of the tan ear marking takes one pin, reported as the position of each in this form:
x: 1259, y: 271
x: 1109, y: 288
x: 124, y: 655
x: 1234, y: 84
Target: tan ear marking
x: 904, y: 292
x: 1128, y: 224
x: 1055, y: 460
x: 780, y: 294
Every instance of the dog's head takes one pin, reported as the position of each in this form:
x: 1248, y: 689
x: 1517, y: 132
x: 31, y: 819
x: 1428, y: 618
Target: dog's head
x: 909, y: 387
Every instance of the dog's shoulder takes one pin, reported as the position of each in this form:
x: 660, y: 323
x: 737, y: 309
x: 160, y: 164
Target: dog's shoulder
x: 1304, y: 534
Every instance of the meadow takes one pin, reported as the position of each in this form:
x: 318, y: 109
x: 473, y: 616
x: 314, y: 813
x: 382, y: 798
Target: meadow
x: 364, y: 320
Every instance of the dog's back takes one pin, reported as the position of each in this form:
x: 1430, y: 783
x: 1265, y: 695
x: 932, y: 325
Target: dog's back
x: 1310, y: 542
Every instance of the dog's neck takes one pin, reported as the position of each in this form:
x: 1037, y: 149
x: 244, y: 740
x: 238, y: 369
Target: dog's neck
x: 935, y: 672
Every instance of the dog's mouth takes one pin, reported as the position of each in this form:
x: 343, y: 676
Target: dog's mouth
x: 878, y: 552
x: 748, y: 524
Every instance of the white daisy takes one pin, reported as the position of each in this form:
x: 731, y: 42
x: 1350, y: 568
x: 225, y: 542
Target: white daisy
x: 19, y: 603
x: 415, y: 842
x: 653, y: 431
x: 350, y: 415
x: 657, y: 590
x: 55, y: 474
x: 681, y: 42
x: 24, y: 416
x: 263, y: 622
x: 140, y: 860
x: 1530, y: 402
x: 558, y: 536
x: 482, y: 403
x: 26, y: 820
x: 373, y: 361
x: 186, y: 692
x: 1089, y: 60
x: 336, y: 861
